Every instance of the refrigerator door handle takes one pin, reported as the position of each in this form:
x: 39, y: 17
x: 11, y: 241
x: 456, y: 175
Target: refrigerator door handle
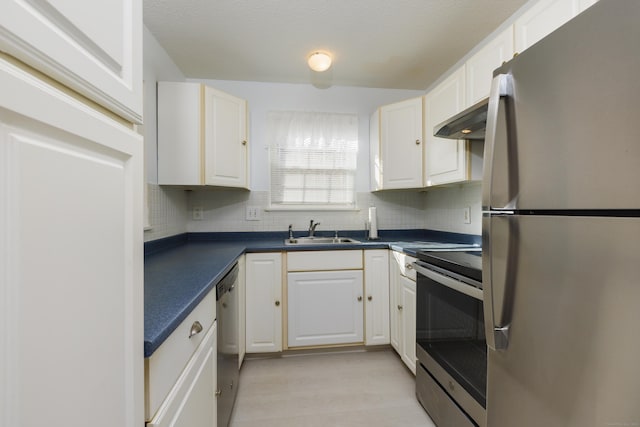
x: 500, y: 163
x: 499, y: 235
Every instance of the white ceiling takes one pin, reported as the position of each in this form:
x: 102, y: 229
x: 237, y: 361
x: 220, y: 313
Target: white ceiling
x: 401, y: 44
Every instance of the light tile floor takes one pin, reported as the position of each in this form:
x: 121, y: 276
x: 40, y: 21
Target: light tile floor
x: 359, y: 388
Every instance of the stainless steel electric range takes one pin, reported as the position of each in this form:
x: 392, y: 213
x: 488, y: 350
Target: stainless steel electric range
x: 451, y: 374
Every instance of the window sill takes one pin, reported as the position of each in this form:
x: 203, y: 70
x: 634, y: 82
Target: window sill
x: 301, y: 208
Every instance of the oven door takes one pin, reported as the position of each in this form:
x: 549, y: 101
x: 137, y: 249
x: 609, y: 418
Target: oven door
x: 450, y: 340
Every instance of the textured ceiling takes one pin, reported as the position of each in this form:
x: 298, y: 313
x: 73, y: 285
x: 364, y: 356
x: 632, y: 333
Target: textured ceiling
x: 402, y: 44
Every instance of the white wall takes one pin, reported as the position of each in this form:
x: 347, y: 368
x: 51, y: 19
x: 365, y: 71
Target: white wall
x: 265, y: 97
x: 167, y: 207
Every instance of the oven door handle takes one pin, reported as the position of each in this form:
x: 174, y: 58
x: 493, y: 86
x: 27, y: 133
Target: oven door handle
x: 450, y: 283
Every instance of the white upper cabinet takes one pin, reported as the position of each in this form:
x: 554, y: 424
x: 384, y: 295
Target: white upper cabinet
x: 585, y: 4
x: 543, y: 18
x: 225, y: 141
x: 397, y: 153
x: 479, y: 68
x: 93, y: 47
x: 446, y: 160
x: 202, y: 136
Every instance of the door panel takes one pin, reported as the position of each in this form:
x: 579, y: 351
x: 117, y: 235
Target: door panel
x: 71, y: 260
x: 572, y: 343
x: 93, y: 47
x: 572, y: 120
x: 325, y: 308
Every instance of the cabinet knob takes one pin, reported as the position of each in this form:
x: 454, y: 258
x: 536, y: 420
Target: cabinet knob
x: 244, y: 142
x: 408, y: 266
x: 369, y: 298
x: 417, y: 142
x: 277, y: 303
x: 218, y: 393
x: 196, y: 328
x: 399, y: 307
x: 360, y: 298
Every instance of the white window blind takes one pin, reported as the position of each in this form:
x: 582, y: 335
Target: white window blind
x: 313, y: 159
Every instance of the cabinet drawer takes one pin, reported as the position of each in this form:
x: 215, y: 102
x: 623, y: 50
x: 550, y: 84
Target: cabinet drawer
x: 405, y: 263
x: 441, y: 408
x: 164, y: 366
x: 324, y: 260
x: 191, y: 403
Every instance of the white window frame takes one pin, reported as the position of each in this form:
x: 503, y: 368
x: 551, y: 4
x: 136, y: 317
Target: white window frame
x: 279, y: 139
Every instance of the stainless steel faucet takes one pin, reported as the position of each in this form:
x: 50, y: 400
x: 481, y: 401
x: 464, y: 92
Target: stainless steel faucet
x: 290, y: 231
x: 312, y: 228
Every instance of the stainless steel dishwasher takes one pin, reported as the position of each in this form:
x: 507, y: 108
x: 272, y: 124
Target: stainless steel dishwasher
x: 228, y: 369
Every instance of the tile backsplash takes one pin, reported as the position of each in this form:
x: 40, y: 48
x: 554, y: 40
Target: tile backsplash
x: 171, y: 211
x: 167, y: 212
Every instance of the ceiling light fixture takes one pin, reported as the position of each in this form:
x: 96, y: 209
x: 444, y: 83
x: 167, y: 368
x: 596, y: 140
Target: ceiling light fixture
x: 319, y: 61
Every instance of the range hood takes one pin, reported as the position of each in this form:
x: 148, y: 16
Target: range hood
x: 469, y: 124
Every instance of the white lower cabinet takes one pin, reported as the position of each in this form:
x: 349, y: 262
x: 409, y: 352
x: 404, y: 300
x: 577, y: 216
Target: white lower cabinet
x: 376, y: 287
x: 192, y: 401
x: 242, y: 298
x: 325, y: 307
x: 402, y: 303
x: 408, y: 323
x: 263, y: 302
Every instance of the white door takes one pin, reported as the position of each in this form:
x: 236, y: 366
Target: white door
x: 263, y: 302
x: 401, y: 144
x: 226, y: 145
x: 445, y: 159
x: 94, y: 47
x: 376, y: 285
x: 325, y: 307
x: 408, y: 304
x: 71, y: 259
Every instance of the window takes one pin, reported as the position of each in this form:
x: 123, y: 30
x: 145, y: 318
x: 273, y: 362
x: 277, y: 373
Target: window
x: 313, y: 159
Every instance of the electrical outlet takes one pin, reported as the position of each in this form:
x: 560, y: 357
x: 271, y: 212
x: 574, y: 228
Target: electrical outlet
x: 467, y: 215
x: 252, y: 213
x: 198, y: 213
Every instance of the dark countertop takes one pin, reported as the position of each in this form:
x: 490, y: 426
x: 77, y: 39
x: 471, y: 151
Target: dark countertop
x: 180, y: 270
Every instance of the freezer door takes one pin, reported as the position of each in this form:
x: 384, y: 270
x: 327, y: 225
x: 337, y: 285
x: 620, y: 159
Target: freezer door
x: 562, y: 125
x: 571, y: 301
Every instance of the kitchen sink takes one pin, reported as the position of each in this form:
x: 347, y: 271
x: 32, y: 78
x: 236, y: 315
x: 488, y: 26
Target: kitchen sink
x: 319, y: 241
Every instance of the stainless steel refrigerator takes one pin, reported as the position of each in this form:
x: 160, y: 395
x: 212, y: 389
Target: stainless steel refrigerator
x: 561, y: 227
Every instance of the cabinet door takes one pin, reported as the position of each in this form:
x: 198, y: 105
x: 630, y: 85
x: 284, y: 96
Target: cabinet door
x: 479, y: 68
x: 71, y: 257
x: 242, y: 297
x: 263, y: 302
x: 395, y: 304
x: 376, y: 285
x: 226, y: 146
x: 446, y: 159
x: 325, y: 307
x: 192, y: 402
x: 408, y: 353
x: 180, y: 138
x: 543, y: 18
x: 401, y: 144
x: 93, y: 47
